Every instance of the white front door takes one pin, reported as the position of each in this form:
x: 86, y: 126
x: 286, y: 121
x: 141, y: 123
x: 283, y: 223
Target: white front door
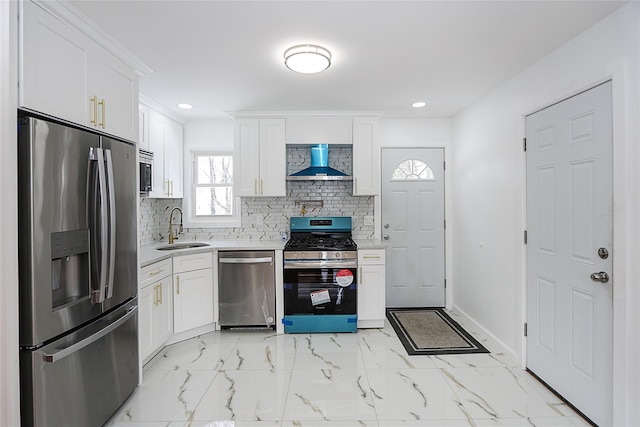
x: 570, y: 239
x: 413, y: 226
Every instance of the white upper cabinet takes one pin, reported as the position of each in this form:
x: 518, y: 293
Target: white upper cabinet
x: 116, y: 88
x: 319, y: 130
x: 66, y: 75
x: 143, y: 129
x: 259, y: 157
x: 166, y: 142
x: 366, y: 157
x: 260, y: 146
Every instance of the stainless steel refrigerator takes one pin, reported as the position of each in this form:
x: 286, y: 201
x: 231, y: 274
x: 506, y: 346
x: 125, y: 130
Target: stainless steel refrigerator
x: 77, y: 200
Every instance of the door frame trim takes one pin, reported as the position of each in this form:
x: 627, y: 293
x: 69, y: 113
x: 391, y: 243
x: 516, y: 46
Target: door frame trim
x: 448, y: 238
x: 624, y: 266
x: 526, y: 247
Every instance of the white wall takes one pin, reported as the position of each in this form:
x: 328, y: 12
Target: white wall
x: 415, y: 132
x: 489, y: 192
x: 208, y: 134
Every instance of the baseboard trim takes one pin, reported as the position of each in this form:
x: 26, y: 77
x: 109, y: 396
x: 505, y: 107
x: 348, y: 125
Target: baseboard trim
x: 494, y: 344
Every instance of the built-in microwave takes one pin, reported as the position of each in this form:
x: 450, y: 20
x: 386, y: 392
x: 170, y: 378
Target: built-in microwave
x: 146, y: 172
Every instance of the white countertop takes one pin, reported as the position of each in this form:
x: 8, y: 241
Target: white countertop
x: 149, y: 253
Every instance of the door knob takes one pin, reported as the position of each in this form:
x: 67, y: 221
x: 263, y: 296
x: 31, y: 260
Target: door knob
x: 601, y: 277
x: 386, y: 226
x: 385, y: 237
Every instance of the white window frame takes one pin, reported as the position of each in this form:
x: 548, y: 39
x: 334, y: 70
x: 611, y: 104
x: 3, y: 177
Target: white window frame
x: 427, y: 169
x: 188, y: 203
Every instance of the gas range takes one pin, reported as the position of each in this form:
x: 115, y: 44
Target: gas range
x: 320, y: 238
x: 320, y: 276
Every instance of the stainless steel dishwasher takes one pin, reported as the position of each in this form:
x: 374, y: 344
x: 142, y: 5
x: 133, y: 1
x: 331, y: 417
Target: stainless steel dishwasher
x: 246, y: 289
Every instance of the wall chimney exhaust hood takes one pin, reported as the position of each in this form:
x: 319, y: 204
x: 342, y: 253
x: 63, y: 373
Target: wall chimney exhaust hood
x: 319, y: 169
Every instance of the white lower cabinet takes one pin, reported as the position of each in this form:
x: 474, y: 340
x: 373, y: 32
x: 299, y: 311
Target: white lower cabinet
x: 371, y: 288
x: 155, y: 308
x: 192, y: 291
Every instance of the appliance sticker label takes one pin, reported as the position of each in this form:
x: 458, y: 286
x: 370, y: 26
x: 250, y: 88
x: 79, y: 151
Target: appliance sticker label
x: 344, y: 278
x: 320, y: 297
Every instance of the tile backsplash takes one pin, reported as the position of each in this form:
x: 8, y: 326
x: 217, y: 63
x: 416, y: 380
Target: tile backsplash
x: 304, y: 198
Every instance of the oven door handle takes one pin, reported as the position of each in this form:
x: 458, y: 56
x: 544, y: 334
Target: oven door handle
x: 341, y: 263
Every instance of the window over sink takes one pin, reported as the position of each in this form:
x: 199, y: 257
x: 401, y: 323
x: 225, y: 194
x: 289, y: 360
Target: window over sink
x: 210, y: 201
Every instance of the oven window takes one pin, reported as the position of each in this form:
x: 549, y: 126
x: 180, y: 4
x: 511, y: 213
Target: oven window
x: 320, y: 291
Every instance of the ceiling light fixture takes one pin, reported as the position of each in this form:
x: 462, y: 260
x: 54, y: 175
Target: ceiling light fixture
x: 418, y: 104
x: 185, y: 106
x: 307, y: 58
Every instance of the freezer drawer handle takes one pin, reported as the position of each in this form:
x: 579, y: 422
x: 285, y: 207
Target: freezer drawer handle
x: 67, y: 351
x: 245, y: 260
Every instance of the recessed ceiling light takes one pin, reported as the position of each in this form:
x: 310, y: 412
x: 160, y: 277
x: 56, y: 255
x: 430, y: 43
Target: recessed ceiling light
x: 418, y: 104
x: 307, y: 58
x: 185, y: 106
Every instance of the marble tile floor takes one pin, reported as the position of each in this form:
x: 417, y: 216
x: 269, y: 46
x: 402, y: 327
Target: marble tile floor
x: 260, y: 379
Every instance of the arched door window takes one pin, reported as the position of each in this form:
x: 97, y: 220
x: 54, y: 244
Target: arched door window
x: 413, y: 170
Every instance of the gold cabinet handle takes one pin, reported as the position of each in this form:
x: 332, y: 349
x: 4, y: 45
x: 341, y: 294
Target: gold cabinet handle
x: 155, y: 295
x: 103, y: 104
x: 371, y: 257
x: 153, y: 273
x: 160, y: 294
x: 169, y: 187
x: 177, y: 285
x: 94, y: 121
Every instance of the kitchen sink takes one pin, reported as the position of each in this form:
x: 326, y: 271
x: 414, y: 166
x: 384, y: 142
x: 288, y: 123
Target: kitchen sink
x: 176, y: 246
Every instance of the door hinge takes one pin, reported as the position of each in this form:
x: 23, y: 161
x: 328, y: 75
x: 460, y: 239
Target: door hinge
x: 445, y: 223
x: 525, y: 237
x: 445, y: 283
x: 444, y: 165
x: 524, y: 144
x: 525, y: 329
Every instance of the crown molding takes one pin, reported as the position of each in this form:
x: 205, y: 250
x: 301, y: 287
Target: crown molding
x: 144, y: 99
x: 307, y: 113
x: 72, y: 16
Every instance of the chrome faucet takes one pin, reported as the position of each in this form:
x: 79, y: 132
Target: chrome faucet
x: 171, y: 235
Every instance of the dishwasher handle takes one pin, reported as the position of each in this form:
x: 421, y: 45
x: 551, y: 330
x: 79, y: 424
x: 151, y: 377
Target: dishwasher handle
x: 245, y: 260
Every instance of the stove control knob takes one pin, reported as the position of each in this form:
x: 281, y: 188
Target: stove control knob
x: 338, y: 254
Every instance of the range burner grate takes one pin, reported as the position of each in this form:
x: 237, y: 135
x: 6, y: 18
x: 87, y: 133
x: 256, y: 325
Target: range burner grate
x: 344, y: 243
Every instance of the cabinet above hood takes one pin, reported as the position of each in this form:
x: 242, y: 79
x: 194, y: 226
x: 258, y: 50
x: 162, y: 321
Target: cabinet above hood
x: 319, y: 169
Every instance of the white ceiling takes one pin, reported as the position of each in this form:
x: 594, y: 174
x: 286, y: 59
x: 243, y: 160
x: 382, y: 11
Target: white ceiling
x: 227, y: 55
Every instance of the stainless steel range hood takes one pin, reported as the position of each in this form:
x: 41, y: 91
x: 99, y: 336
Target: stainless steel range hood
x: 319, y: 169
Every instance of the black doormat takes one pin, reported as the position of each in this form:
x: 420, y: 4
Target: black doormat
x: 430, y: 331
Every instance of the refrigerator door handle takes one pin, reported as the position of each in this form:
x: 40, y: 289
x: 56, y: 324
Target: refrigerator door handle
x: 97, y: 155
x: 112, y: 224
x: 61, y: 353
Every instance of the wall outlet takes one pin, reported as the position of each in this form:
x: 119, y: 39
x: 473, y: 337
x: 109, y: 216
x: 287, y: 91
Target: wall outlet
x: 259, y: 220
x: 368, y: 220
